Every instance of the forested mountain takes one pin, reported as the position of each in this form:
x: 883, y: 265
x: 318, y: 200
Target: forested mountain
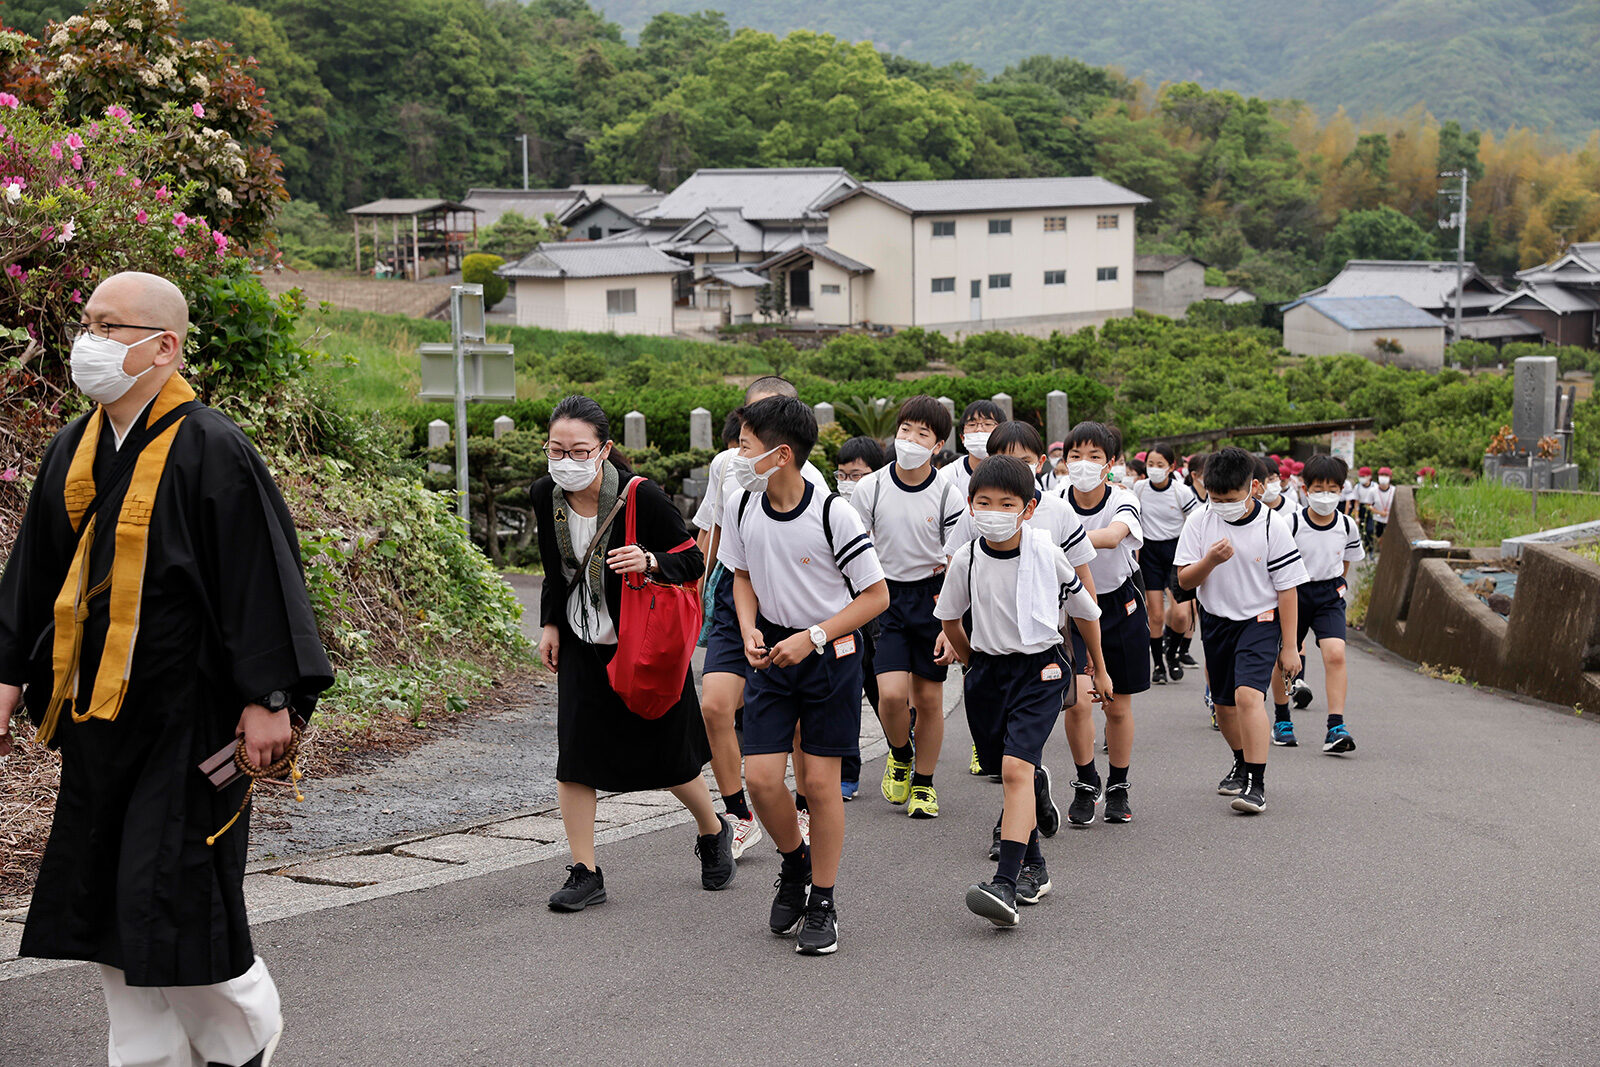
x: 1486, y: 63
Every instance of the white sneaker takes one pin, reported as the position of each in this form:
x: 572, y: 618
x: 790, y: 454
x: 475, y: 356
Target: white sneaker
x: 746, y: 832
x: 805, y: 826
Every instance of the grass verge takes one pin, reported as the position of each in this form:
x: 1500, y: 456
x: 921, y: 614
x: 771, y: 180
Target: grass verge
x: 1483, y: 513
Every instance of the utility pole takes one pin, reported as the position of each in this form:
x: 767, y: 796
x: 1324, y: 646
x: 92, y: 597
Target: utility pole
x: 524, y: 139
x: 1459, y: 219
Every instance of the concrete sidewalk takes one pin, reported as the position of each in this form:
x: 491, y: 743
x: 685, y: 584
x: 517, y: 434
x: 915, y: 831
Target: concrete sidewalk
x: 1422, y: 901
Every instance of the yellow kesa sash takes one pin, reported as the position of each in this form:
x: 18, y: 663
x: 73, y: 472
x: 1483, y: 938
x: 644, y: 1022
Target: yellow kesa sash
x: 126, y: 578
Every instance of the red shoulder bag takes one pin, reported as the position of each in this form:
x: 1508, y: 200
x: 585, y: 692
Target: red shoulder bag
x: 656, y: 633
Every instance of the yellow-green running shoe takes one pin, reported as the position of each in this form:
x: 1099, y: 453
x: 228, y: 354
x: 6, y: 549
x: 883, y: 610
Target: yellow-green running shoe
x: 974, y: 767
x: 896, y: 780
x: 924, y: 803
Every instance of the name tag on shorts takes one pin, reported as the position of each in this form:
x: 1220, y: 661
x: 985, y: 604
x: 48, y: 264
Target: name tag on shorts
x: 1051, y: 673
x: 1268, y: 615
x: 1133, y: 606
x: 1341, y: 589
x: 845, y: 646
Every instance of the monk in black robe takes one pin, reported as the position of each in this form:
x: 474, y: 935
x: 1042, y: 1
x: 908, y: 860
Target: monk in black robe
x: 152, y: 610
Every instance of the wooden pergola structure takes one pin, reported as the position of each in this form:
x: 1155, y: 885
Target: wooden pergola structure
x: 437, y: 231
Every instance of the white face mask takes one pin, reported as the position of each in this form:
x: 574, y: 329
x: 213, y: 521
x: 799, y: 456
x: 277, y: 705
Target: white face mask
x: 996, y: 525
x: 1324, y: 503
x: 1086, y: 475
x: 1231, y: 511
x: 909, y: 455
x: 575, y: 475
x: 1159, y: 475
x: 97, y: 367
x: 1119, y: 473
x: 976, y: 443
x: 1272, y: 491
x: 1383, y: 480
x: 1366, y: 479
x: 744, y: 471
x: 847, y: 489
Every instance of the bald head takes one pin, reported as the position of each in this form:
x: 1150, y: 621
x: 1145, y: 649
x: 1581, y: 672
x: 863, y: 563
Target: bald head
x: 141, y: 299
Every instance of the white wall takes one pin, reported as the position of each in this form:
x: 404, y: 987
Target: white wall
x: 1308, y: 332
x: 580, y: 304
x: 878, y: 235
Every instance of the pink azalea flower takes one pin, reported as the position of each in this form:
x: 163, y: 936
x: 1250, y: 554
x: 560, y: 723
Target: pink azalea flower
x: 199, y: 112
x: 55, y: 151
x: 142, y: 217
x: 180, y: 220
x: 221, y: 240
x: 90, y: 185
x: 7, y: 100
x: 138, y: 183
x: 77, y: 161
x: 162, y: 194
x: 74, y: 141
x: 77, y: 296
x: 10, y: 473
x: 14, y: 271
x: 180, y: 251
x: 122, y: 172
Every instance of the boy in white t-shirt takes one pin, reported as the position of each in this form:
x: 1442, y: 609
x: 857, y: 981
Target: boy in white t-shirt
x: 909, y: 510
x: 978, y: 421
x: 1165, y: 503
x: 806, y: 580
x: 859, y: 457
x: 1242, y: 558
x: 1015, y: 580
x: 1382, y: 503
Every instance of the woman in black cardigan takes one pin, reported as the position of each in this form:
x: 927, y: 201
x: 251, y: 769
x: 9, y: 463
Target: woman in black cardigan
x: 601, y: 744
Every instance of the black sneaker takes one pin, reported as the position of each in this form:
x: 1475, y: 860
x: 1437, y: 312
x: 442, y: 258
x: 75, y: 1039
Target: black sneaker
x: 584, y: 887
x: 1158, y: 673
x: 1187, y: 660
x: 1117, y: 809
x: 1253, y: 800
x: 716, y: 858
x: 1085, y: 796
x: 1033, y: 883
x: 819, y: 933
x: 1046, y: 814
x: 789, y: 905
x: 1300, y: 692
x: 994, y: 845
x: 1233, y: 782
x: 995, y: 901
x: 1174, y: 669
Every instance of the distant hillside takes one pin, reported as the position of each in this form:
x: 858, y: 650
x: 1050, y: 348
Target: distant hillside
x: 1488, y: 63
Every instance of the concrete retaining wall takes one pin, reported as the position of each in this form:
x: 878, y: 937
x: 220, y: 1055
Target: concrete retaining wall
x: 1550, y: 646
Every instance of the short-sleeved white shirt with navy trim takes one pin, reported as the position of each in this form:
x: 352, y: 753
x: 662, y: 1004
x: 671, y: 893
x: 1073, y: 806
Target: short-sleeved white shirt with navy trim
x: 1325, y: 549
x: 959, y: 474
x: 722, y: 486
x: 993, y: 600
x: 1265, y: 561
x: 910, y: 524
x: 1112, y: 566
x: 1163, y: 508
x: 799, y: 581
x: 1051, y: 514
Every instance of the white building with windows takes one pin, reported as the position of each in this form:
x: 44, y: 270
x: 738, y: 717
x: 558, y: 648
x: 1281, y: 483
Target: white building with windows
x: 600, y: 287
x: 1024, y: 254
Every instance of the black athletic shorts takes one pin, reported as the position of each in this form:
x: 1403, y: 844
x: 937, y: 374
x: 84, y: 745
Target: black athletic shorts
x: 1013, y: 703
x: 908, y: 630
x: 820, y: 694
x: 1155, y: 563
x: 724, y: 644
x: 1239, y: 653
x: 1322, y: 609
x: 1124, y: 639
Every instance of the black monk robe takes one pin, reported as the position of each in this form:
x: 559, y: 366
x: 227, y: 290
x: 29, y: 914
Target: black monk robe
x: 127, y: 877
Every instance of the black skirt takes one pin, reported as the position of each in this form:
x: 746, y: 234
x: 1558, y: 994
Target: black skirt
x: 601, y: 744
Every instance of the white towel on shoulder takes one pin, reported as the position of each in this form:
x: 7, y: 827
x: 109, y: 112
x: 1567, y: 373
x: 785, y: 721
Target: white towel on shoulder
x: 1038, y: 588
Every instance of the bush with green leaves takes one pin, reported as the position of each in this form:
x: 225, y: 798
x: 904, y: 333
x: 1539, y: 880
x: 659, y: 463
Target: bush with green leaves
x: 479, y: 269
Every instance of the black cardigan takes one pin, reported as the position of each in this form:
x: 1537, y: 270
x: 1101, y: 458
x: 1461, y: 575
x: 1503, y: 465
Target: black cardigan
x: 660, y: 529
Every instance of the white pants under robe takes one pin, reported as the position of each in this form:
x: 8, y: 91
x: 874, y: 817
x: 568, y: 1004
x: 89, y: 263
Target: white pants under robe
x: 190, y: 1026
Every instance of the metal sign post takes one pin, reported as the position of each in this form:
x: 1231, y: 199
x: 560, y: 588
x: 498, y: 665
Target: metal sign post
x: 466, y: 323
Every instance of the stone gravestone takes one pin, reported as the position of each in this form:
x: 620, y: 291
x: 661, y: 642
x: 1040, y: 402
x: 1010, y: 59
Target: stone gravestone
x: 1057, y: 416
x: 438, y: 437
x: 1533, y: 412
x: 825, y: 414
x: 1004, y: 402
x: 955, y: 430
x: 694, y: 486
x: 502, y: 426
x: 633, y: 435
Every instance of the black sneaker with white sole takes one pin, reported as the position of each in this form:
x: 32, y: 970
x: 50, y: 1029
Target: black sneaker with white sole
x: 789, y: 905
x: 1085, y: 795
x: 819, y: 932
x: 1300, y: 692
x: 1233, y: 782
x: 1158, y: 673
x: 1253, y: 800
x: 1032, y: 883
x: 1174, y: 664
x: 1046, y: 814
x: 584, y: 887
x: 1117, y: 809
x: 1187, y: 660
x: 717, y: 867
x: 995, y: 901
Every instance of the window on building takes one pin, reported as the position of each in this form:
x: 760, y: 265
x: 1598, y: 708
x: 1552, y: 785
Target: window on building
x: 1107, y: 222
x: 621, y: 301
x: 830, y: 290
x: 944, y: 285
x: 1105, y: 274
x: 999, y: 281
x: 1055, y: 223
x: 944, y: 229
x: 999, y: 225
x: 594, y: 233
x: 1055, y: 277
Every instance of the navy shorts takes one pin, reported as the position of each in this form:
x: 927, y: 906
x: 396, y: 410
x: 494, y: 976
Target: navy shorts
x: 1013, y: 703
x: 1239, y: 654
x: 1322, y: 610
x: 724, y: 644
x: 820, y: 694
x: 908, y: 630
x: 1124, y: 639
x: 1155, y: 563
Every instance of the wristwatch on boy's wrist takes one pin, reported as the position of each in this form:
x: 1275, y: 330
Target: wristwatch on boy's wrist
x: 819, y: 637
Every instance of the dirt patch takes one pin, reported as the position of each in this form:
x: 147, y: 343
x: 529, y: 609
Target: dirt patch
x: 391, y: 297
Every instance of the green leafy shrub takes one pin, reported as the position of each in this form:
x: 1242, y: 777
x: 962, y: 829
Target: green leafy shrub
x: 242, y: 332
x: 479, y: 269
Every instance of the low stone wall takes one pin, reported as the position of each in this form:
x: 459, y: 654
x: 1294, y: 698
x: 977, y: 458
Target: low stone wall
x: 1550, y: 646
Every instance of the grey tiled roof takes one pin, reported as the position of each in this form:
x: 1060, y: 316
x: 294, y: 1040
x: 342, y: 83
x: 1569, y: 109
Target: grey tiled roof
x: 532, y: 204
x: 1558, y: 298
x: 592, y: 259
x: 1421, y: 283
x: 816, y: 251
x: 998, y: 194
x: 762, y: 194
x: 401, y: 206
x: 1368, y: 312
x: 1160, y: 264
x: 1498, y: 326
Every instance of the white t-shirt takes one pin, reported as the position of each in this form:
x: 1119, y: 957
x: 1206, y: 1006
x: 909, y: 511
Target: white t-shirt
x: 1382, y: 500
x: 959, y: 474
x: 991, y: 593
x: 722, y: 485
x: 797, y: 578
x: 594, y: 626
x: 1348, y: 492
x: 1112, y: 566
x: 1365, y: 493
x: 1052, y: 515
x: 1162, y: 508
x: 1326, y: 549
x: 910, y: 524
x: 1265, y: 561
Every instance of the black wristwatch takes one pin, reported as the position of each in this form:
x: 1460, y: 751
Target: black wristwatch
x: 276, y: 700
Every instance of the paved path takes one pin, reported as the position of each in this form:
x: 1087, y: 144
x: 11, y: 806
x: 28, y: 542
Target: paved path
x: 1428, y: 900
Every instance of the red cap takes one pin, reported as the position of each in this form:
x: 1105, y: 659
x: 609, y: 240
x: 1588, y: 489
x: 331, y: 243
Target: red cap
x: 1385, y: 470
x: 1055, y: 445
x: 1365, y: 471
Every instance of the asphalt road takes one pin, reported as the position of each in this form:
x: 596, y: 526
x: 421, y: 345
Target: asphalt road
x: 1429, y: 899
